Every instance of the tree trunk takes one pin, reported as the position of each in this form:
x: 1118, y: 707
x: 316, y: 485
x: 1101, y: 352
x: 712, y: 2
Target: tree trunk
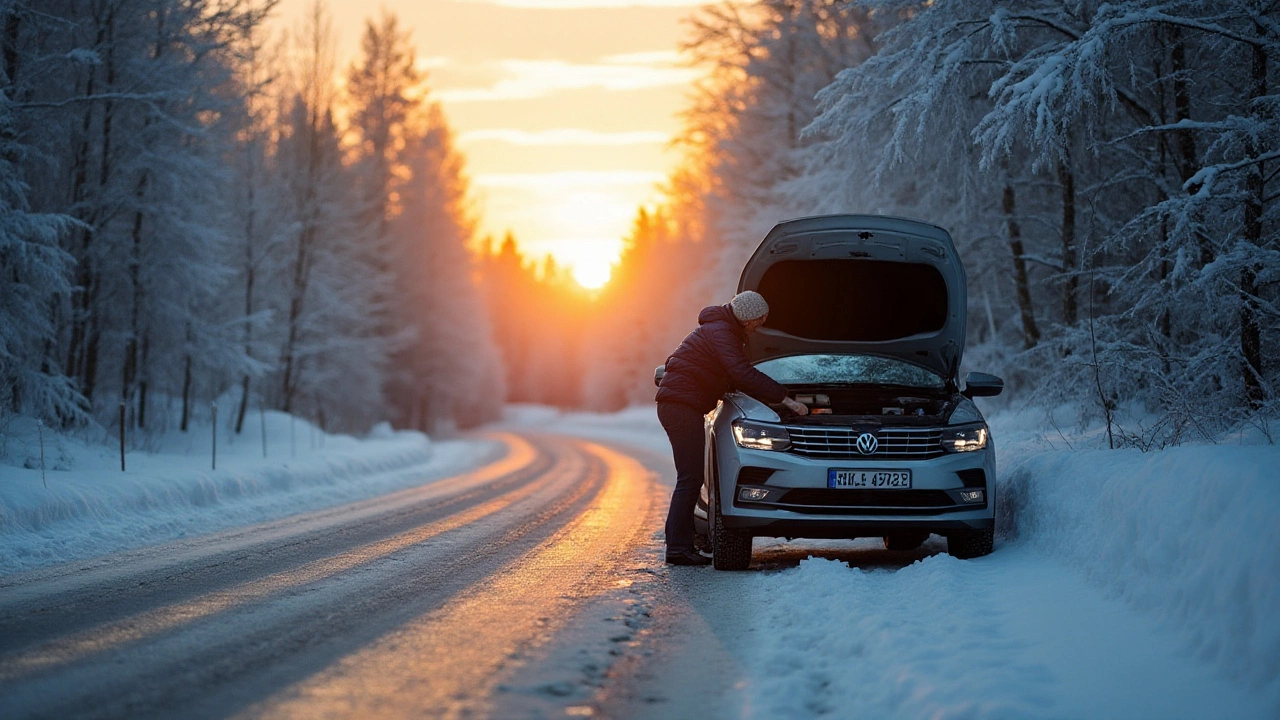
x: 11, y: 26
x: 142, y: 382
x: 248, y: 294
x: 1185, y: 140
x: 1250, y: 330
x: 1030, y: 333
x: 295, y: 315
x: 1069, y: 260
x: 87, y: 330
x: 131, y: 350
x: 186, y: 393
x: 244, y: 403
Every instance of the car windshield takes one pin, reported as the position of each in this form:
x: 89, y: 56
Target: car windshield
x: 852, y: 369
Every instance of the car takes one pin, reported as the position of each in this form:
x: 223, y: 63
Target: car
x: 866, y: 327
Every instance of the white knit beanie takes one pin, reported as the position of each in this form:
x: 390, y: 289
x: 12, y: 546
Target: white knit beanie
x: 748, y: 306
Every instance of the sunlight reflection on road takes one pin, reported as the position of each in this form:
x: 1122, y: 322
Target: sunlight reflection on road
x: 154, y: 622
x: 447, y: 663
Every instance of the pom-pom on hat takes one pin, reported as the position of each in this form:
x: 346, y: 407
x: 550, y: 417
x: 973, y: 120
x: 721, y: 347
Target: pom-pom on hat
x: 748, y: 306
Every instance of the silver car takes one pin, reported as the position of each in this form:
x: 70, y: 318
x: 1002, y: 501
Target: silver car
x: 866, y: 327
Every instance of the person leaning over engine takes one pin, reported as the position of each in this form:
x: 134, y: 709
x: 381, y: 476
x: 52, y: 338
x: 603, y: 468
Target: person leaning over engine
x: 710, y: 361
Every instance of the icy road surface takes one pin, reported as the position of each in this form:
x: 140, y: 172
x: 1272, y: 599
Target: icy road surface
x: 533, y: 587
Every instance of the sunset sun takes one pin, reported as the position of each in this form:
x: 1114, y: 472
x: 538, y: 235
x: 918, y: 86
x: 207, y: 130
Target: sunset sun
x: 592, y: 273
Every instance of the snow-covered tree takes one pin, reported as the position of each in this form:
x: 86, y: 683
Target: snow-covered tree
x: 450, y: 370
x: 1125, y: 147
x: 34, y: 269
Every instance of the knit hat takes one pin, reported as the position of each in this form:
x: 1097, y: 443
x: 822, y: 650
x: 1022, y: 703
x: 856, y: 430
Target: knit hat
x: 748, y: 306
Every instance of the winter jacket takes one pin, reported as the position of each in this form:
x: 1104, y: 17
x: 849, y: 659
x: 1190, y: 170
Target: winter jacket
x: 711, y: 361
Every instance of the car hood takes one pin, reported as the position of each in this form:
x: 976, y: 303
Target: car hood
x: 866, y: 284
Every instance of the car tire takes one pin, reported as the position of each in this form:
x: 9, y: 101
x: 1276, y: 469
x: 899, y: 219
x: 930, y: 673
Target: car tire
x: 970, y: 544
x: 904, y: 541
x: 729, y: 550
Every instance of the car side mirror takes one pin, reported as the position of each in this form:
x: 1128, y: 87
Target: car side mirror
x: 658, y: 372
x: 978, y: 384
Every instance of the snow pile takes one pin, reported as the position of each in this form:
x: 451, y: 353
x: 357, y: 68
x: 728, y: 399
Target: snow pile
x: 90, y: 507
x: 837, y: 639
x: 1189, y: 535
x: 1007, y: 636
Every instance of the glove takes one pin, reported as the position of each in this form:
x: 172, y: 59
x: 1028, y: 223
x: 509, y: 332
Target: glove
x: 796, y: 407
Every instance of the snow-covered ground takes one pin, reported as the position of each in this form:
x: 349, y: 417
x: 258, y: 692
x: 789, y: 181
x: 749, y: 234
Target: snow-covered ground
x: 1124, y: 584
x: 1159, y: 574
x: 82, y: 505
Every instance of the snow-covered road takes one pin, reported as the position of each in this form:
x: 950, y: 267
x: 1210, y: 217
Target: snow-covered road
x: 407, y: 605
x: 532, y: 587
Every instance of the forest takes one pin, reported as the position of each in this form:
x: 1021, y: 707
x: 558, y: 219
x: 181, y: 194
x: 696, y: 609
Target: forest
x: 192, y: 210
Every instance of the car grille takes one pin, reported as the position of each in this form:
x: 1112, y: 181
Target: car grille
x: 819, y: 441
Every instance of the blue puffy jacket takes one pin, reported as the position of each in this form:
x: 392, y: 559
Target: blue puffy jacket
x: 711, y: 361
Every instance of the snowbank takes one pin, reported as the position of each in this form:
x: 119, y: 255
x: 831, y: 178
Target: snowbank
x: 1189, y: 535
x: 90, y: 507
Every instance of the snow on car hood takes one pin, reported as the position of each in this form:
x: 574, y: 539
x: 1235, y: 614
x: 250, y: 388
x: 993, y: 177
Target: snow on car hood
x: 867, y: 284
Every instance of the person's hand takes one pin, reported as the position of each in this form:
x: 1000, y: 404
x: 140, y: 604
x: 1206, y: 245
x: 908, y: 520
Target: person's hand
x: 796, y: 407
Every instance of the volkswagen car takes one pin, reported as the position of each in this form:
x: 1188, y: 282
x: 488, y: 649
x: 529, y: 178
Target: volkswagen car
x: 866, y: 327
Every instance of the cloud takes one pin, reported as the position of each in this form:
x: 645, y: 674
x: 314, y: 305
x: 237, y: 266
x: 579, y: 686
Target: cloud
x: 525, y: 79
x: 564, y: 136
x: 668, y: 58
x: 432, y: 62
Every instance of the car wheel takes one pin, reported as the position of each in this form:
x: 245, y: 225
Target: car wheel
x: 970, y: 544
x: 905, y: 541
x: 729, y: 550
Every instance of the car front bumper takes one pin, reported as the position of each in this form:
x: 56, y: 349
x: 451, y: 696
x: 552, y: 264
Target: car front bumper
x: 799, y: 503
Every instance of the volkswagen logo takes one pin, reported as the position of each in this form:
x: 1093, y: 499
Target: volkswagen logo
x: 867, y: 444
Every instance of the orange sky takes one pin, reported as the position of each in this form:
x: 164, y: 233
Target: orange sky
x: 564, y: 108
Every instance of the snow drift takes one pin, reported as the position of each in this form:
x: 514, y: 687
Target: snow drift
x: 1189, y: 535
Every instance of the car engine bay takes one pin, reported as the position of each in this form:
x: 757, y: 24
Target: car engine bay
x: 836, y: 405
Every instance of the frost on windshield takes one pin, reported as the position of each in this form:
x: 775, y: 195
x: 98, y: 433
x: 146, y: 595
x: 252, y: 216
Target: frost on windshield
x: 861, y: 369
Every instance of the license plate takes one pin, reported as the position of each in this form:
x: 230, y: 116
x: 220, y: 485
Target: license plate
x: 869, y: 479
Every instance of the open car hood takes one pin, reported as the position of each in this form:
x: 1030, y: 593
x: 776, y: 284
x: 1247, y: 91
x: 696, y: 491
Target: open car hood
x: 865, y: 284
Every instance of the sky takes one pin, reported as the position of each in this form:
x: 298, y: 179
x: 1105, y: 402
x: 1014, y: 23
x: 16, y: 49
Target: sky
x: 564, y: 108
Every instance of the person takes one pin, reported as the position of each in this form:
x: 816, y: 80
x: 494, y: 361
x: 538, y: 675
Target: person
x: 709, y: 362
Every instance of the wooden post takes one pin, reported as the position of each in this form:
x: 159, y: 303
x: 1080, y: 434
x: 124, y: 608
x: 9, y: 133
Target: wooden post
x: 121, y: 437
x: 215, y: 436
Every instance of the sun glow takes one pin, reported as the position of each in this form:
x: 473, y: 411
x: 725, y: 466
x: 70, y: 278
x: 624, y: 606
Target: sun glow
x: 592, y: 274
x: 579, y: 218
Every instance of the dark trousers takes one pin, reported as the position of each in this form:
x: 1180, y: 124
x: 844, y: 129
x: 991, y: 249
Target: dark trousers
x: 684, y: 427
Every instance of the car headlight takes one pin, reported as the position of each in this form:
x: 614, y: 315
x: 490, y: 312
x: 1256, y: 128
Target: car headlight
x: 964, y: 439
x: 760, y: 436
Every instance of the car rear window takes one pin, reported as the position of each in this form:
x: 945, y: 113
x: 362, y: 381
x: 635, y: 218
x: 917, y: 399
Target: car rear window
x: 854, y: 300
x: 851, y: 369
